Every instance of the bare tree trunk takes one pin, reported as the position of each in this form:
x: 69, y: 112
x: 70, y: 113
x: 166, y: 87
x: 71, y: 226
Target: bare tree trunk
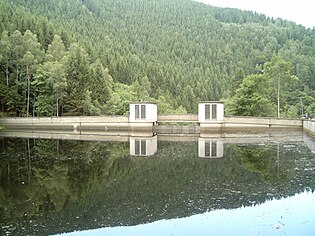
x: 34, y: 108
x: 7, y: 72
x: 278, y: 110
x: 57, y: 104
x: 17, y: 72
x: 28, y: 92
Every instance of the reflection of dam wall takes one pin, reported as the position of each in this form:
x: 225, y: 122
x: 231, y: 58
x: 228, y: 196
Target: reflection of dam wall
x: 310, y: 144
x: 146, y: 144
x: 86, y: 136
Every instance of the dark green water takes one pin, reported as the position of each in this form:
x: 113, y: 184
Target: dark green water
x: 58, y: 186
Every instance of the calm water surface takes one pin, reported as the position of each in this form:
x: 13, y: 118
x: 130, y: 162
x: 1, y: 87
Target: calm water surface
x: 158, y: 186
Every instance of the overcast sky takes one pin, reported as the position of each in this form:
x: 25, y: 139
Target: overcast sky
x: 299, y: 11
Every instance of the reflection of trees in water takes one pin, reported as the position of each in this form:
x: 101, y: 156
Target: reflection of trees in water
x: 268, y: 161
x: 82, y: 185
x: 39, y: 177
x: 280, y: 164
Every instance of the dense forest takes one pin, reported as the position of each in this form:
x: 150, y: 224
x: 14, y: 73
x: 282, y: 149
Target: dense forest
x: 92, y: 57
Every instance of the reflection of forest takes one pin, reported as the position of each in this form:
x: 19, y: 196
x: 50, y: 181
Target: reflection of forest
x: 53, y: 186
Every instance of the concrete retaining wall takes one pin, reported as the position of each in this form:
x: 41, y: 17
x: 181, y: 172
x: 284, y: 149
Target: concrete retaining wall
x: 261, y: 122
x: 249, y: 124
x: 64, y: 120
x: 176, y: 129
x: 76, y: 124
x: 121, y: 123
x: 309, y: 127
x: 178, y: 118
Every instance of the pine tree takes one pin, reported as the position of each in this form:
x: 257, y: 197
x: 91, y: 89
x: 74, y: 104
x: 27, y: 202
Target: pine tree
x: 77, y: 74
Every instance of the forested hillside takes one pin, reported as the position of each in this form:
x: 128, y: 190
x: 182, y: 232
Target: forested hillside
x: 93, y: 57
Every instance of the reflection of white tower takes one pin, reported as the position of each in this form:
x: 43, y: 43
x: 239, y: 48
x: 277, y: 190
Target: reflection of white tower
x: 210, y: 148
x: 143, y: 146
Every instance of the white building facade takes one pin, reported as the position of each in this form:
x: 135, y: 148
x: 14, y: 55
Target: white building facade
x: 142, y: 112
x: 210, y: 111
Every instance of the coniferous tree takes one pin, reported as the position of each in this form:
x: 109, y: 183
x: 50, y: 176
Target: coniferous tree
x: 77, y: 74
x: 100, y: 87
x: 175, y: 44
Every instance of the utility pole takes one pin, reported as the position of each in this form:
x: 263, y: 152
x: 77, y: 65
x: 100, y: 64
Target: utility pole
x: 301, y: 104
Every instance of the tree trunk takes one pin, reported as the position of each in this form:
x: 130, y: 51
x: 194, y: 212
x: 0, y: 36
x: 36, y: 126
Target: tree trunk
x: 278, y: 110
x: 57, y: 105
x: 7, y: 72
x: 17, y: 72
x: 28, y: 92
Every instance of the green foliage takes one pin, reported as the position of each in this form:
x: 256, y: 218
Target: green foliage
x: 142, y: 88
x: 43, y: 94
x: 282, y: 82
x: 265, y: 161
x: 252, y: 98
x: 55, y: 67
x: 100, y: 85
x: 275, y: 92
x: 120, y: 99
x: 181, y: 50
x: 165, y: 108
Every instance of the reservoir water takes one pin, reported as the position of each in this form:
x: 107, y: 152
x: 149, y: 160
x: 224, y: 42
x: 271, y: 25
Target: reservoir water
x: 158, y: 185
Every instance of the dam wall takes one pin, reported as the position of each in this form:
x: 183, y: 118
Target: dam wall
x: 75, y: 124
x: 309, y: 127
x: 167, y: 124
